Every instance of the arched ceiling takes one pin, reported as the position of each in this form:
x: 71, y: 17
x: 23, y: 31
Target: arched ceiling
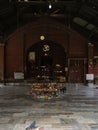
x: 80, y: 15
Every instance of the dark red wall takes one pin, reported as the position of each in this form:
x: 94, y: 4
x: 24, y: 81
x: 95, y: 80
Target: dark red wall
x: 22, y: 39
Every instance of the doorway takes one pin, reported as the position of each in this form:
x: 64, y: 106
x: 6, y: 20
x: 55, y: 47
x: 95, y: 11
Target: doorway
x: 46, y: 67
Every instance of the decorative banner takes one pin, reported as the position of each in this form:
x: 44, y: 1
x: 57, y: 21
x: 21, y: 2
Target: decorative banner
x: 46, y: 48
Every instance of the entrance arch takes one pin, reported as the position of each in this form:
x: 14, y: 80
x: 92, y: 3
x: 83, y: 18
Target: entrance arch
x: 46, y: 60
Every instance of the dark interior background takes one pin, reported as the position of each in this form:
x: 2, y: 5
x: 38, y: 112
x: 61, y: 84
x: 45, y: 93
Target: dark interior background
x: 80, y: 15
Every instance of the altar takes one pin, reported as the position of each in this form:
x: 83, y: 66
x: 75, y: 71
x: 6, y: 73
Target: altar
x: 49, y: 90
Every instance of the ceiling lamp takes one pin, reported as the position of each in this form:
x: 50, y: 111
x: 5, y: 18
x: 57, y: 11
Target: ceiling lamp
x: 50, y: 6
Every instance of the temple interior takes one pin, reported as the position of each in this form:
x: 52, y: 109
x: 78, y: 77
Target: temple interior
x: 48, y: 65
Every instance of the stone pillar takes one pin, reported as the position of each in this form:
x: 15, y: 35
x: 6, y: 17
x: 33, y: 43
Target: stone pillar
x: 90, y: 58
x: 1, y: 61
x: 90, y: 63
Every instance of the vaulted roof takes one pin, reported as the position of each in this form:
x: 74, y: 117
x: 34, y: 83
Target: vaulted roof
x: 80, y: 15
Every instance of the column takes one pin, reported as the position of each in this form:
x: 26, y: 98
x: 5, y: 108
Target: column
x: 1, y: 61
x: 90, y: 64
x: 90, y: 58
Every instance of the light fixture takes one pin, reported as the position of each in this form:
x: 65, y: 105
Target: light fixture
x: 50, y: 6
x: 42, y: 37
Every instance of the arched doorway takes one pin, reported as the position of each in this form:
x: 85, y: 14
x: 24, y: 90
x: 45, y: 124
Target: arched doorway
x: 46, y: 60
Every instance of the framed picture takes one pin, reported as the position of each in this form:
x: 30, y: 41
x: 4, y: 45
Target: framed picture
x: 32, y: 55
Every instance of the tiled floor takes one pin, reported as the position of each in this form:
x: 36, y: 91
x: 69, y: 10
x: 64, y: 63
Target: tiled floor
x: 77, y: 109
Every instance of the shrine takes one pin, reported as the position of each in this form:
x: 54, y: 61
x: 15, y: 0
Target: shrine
x: 51, y: 90
x: 46, y: 61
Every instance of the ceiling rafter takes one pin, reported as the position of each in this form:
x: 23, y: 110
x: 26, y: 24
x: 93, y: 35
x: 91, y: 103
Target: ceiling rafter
x: 64, y: 11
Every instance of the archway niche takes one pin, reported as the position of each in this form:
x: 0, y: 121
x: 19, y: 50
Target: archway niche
x: 46, y: 60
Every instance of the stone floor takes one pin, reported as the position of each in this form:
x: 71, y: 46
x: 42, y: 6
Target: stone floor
x: 77, y: 109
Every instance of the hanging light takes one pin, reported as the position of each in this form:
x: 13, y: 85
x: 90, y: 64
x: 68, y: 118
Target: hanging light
x: 50, y: 6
